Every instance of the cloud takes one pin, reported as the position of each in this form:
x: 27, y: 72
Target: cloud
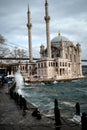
x: 68, y: 17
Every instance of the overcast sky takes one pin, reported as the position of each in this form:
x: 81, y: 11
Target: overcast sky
x: 67, y: 16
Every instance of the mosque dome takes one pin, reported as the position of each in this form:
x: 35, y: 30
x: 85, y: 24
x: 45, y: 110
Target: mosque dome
x: 59, y: 38
x: 56, y: 41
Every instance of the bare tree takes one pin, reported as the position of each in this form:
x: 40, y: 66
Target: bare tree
x: 21, y: 53
x: 18, y: 53
x: 2, y: 39
x: 4, y: 51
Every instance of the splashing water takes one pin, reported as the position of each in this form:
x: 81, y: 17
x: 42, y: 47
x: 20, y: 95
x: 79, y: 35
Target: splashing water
x: 19, y: 82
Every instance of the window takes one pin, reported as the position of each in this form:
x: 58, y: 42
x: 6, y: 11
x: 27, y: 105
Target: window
x: 41, y: 65
x: 30, y: 67
x: 38, y: 65
x: 71, y: 57
x: 74, y: 58
x: 69, y: 64
x: 56, y: 64
x: 65, y: 63
x: 52, y: 56
x: 23, y: 67
x: 49, y: 63
x: 44, y: 64
x: 53, y: 64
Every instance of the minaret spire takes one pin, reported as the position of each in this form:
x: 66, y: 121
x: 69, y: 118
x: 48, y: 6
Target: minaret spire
x: 29, y: 25
x: 47, y: 19
x: 46, y: 2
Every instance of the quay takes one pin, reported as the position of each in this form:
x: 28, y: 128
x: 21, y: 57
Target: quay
x: 11, y: 117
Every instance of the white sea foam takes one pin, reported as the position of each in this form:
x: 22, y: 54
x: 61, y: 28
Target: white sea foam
x: 42, y: 83
x: 76, y: 119
x: 55, y: 82
x: 68, y: 104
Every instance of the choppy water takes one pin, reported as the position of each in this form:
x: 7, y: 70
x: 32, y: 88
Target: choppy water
x: 67, y: 94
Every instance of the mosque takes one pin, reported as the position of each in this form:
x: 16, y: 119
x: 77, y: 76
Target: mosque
x: 61, y: 59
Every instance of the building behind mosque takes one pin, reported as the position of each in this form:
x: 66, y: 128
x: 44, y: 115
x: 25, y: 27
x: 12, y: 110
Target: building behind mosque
x: 61, y: 59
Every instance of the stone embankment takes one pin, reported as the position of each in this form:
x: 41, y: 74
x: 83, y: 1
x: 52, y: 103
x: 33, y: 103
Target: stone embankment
x: 48, y: 81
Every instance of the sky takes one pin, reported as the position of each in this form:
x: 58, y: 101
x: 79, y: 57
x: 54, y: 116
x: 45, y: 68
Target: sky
x: 69, y: 17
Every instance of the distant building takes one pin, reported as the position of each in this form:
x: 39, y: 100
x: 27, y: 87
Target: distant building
x: 84, y: 69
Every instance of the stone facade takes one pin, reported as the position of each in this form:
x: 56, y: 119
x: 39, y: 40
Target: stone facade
x: 64, y: 64
x: 66, y: 59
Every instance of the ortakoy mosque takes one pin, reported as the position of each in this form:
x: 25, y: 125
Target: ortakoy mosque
x: 61, y: 59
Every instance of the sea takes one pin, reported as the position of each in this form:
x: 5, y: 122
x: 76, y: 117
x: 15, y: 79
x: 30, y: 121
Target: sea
x: 43, y: 95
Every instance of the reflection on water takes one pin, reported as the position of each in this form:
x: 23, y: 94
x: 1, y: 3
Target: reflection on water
x: 67, y: 94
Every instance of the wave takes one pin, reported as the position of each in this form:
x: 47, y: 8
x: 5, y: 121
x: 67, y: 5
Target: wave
x: 82, y: 90
x: 70, y: 104
x: 19, y: 80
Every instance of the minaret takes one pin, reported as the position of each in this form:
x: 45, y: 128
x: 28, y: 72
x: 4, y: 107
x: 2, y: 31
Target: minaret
x: 29, y: 25
x: 62, y: 45
x: 47, y: 19
x: 79, y: 68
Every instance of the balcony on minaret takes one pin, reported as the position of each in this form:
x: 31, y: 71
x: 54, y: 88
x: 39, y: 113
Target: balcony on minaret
x: 29, y: 26
x: 47, y: 18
